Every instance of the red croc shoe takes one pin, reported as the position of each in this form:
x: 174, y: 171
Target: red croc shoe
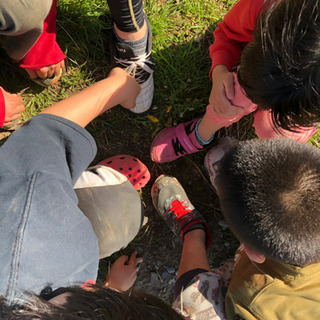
x: 131, y: 167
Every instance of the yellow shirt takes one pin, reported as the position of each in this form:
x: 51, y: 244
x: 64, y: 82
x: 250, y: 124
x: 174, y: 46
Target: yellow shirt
x: 272, y: 291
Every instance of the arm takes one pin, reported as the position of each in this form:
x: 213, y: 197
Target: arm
x: 83, y: 107
x: 231, y: 36
x: 234, y: 32
x: 45, y: 57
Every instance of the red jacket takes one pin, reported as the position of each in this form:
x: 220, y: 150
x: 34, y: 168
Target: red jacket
x: 234, y: 32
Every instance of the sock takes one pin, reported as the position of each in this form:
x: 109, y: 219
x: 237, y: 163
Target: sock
x: 138, y: 47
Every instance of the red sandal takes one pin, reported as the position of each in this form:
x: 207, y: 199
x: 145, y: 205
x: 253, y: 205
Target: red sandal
x: 131, y: 167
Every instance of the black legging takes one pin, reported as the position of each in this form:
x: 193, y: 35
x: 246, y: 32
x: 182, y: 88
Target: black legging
x: 127, y: 14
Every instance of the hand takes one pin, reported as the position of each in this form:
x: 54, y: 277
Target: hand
x: 131, y: 87
x: 222, y: 93
x: 123, y: 273
x: 47, y: 71
x: 13, y: 105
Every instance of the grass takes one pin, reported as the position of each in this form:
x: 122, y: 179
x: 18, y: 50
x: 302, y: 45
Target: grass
x: 182, y: 33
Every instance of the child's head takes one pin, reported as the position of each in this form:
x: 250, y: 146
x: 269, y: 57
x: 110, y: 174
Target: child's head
x: 96, y: 303
x: 280, y: 69
x: 269, y: 192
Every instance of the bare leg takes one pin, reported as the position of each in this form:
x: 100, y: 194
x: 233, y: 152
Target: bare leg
x: 194, y: 254
x: 131, y: 36
x: 206, y: 128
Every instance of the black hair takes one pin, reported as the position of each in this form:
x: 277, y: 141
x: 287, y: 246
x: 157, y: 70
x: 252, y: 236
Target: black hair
x: 269, y: 192
x: 280, y: 69
x: 97, y: 303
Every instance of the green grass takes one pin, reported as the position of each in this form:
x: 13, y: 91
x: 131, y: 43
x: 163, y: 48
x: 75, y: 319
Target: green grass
x: 182, y: 33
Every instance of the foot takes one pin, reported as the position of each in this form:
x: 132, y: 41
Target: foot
x: 131, y: 167
x: 140, y: 67
x: 173, y: 205
x: 175, y: 142
x: 215, y: 154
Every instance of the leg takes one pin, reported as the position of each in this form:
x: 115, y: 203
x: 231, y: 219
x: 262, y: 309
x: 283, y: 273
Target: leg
x: 128, y: 16
x: 265, y: 129
x: 193, y: 136
x: 194, y: 253
x: 112, y: 205
x: 173, y: 205
x: 131, y: 47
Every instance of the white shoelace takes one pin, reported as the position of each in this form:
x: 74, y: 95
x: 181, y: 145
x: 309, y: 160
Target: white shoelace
x: 136, y: 67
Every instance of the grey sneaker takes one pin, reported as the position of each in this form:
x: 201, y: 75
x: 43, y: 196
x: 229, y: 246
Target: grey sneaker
x: 140, y: 67
x: 173, y: 205
x: 215, y: 154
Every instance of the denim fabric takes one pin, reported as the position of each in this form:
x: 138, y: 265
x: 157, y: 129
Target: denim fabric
x: 45, y: 238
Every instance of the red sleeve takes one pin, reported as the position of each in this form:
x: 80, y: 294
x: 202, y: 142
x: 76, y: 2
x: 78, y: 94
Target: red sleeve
x: 2, y: 109
x: 45, y: 51
x: 234, y: 32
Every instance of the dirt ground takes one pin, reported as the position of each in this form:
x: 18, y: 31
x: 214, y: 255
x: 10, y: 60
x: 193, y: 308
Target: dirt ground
x: 158, y: 246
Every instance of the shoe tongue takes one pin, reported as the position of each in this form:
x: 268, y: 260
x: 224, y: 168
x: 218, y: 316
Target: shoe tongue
x: 124, y: 50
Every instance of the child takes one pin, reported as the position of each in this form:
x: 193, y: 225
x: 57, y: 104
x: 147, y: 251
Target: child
x: 278, y: 76
x: 269, y: 192
x: 32, y: 42
x: 51, y: 238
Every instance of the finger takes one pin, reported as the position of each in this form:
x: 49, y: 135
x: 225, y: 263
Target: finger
x: 10, y: 118
x: 15, y: 117
x: 236, y: 110
x: 229, y: 88
x: 57, y: 70
x: 62, y: 64
x: 122, y: 260
x: 49, y: 71
x: 132, y: 260
x: 32, y: 73
x: 43, y: 72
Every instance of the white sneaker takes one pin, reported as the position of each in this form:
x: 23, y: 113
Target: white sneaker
x: 140, y: 67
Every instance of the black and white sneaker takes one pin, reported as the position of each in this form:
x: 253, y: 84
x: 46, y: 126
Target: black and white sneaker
x: 140, y: 67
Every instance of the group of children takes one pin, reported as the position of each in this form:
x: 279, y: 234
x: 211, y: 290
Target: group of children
x: 59, y: 218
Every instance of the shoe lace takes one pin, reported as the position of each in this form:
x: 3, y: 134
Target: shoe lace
x: 137, y: 67
x: 179, y: 208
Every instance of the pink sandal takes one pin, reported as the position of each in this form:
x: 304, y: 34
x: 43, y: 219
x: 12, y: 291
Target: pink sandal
x: 131, y: 167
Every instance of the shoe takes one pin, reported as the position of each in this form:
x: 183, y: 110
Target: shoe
x: 140, y: 67
x: 215, y: 154
x: 131, y: 167
x: 175, y: 142
x: 173, y: 205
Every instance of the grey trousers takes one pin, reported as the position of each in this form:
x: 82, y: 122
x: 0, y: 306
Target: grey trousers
x: 112, y: 205
x: 21, y: 24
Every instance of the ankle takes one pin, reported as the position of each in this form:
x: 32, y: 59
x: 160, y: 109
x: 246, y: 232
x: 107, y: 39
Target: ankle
x: 196, y: 237
x: 131, y: 36
x: 203, y: 136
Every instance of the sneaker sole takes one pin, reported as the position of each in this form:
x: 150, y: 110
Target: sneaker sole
x: 145, y: 97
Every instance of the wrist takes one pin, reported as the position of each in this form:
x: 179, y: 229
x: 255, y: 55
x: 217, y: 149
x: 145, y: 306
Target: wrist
x: 220, y: 68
